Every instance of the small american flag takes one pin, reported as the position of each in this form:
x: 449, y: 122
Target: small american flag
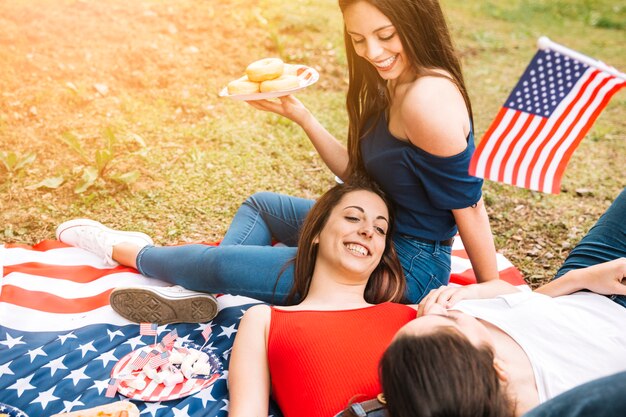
x: 550, y: 110
x: 141, y: 360
x: 206, y: 332
x: 169, y: 339
x: 112, y: 388
x: 148, y: 329
x: 158, y: 360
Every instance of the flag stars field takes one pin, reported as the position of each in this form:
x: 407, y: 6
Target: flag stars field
x: 69, y: 405
x: 5, y: 369
x: 88, y: 347
x: 107, y: 357
x: 66, y: 336
x: 77, y: 375
x: 113, y: 334
x: 11, y: 342
x: 55, y: 365
x: 45, y: 397
x: 36, y: 352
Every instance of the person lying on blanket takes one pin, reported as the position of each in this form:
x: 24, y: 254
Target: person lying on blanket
x: 317, y: 355
x: 410, y: 129
x: 323, y: 350
x: 490, y: 349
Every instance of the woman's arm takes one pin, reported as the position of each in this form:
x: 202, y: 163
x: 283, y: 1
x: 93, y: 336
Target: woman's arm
x: 436, y: 120
x: 473, y: 224
x: 248, y: 374
x: 333, y: 152
x: 605, y: 278
x: 447, y: 296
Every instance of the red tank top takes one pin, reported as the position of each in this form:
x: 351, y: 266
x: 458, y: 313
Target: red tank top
x: 321, y: 360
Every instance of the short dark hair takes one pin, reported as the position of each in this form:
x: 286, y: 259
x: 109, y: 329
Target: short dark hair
x: 442, y: 374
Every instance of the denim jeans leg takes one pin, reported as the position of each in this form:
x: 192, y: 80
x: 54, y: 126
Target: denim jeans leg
x: 605, y: 241
x: 603, y: 397
x: 426, y: 266
x: 251, y: 271
x: 266, y: 216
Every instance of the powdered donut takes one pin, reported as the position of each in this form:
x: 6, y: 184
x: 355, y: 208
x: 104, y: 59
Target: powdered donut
x: 265, y: 69
x: 242, y: 86
x: 291, y: 69
x: 282, y: 83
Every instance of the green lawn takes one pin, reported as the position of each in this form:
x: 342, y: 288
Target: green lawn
x: 146, y: 75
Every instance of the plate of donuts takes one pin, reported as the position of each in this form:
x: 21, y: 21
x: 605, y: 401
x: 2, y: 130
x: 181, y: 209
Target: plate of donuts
x: 270, y: 78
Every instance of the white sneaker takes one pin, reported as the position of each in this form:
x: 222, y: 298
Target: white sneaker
x: 96, y: 238
x: 163, y: 305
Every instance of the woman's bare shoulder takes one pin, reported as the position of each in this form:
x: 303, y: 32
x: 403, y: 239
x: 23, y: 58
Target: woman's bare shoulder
x: 435, y: 116
x: 258, y: 313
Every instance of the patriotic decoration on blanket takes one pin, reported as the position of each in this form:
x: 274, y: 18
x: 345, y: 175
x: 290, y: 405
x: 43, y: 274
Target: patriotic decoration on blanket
x: 148, y: 329
x: 112, y: 388
x: 60, y: 339
x: 550, y: 110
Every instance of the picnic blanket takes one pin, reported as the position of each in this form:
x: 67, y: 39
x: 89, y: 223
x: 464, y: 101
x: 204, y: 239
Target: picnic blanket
x: 60, y: 339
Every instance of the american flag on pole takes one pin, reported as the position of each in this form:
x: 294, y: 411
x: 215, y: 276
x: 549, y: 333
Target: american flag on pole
x: 169, y: 339
x: 148, y: 329
x: 158, y: 360
x: 141, y: 360
x: 550, y: 110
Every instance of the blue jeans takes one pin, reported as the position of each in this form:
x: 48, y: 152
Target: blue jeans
x: 605, y: 241
x: 603, y: 397
x: 246, y: 264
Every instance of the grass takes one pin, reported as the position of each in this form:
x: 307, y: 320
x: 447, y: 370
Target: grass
x: 150, y: 71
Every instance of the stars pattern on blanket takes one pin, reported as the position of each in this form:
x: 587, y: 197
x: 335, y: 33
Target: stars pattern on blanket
x: 48, y: 373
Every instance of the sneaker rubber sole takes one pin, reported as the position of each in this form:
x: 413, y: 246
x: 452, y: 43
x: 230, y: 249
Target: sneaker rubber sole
x: 142, y: 305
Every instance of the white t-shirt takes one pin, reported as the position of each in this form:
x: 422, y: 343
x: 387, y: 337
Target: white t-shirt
x: 569, y: 340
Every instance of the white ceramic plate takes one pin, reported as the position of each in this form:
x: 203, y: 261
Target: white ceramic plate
x: 307, y: 75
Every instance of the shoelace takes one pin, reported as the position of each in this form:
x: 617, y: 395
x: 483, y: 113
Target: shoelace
x: 95, y: 241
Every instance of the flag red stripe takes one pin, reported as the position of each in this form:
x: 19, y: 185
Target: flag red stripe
x: 568, y: 131
x: 43, y: 301
x: 556, y: 125
x: 511, y: 275
x: 509, y: 151
x: 44, y: 245
x: 481, y: 145
x: 556, y: 185
x: 75, y: 273
x: 524, y: 151
x: 498, y: 143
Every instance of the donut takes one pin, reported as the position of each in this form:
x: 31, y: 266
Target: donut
x: 265, y: 69
x: 291, y: 69
x: 282, y: 83
x: 242, y: 86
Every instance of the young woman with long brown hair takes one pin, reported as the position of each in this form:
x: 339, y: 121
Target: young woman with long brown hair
x: 410, y: 129
x: 317, y: 355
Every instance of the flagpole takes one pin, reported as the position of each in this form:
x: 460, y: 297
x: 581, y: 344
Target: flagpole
x: 545, y: 43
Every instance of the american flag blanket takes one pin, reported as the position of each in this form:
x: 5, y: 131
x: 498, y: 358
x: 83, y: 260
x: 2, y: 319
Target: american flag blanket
x: 60, y: 340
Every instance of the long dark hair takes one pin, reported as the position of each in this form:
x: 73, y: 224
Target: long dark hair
x: 425, y: 37
x: 387, y: 281
x: 442, y: 374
